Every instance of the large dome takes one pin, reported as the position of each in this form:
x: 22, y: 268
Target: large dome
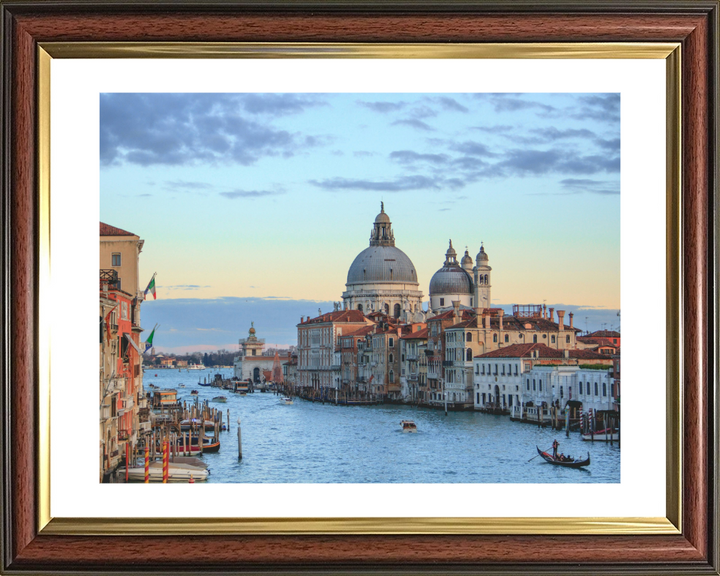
x: 450, y: 280
x: 380, y: 264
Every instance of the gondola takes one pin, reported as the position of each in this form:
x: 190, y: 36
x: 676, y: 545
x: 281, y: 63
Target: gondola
x: 575, y: 463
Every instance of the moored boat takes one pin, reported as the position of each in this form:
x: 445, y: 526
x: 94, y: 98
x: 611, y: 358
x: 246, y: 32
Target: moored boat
x: 602, y: 436
x: 408, y: 426
x: 567, y: 463
x: 176, y: 473
x: 193, y: 423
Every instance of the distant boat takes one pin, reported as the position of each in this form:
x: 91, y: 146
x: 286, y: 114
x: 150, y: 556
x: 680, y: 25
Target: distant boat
x: 222, y: 399
x: 571, y: 463
x: 194, y: 393
x: 186, y: 425
x: 287, y: 400
x: 196, y: 367
x: 408, y: 426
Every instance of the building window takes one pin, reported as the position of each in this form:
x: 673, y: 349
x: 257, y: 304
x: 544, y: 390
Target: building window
x: 604, y: 389
x: 587, y: 387
x: 396, y: 311
x: 116, y: 259
x: 391, y: 342
x: 360, y: 307
x: 567, y: 338
x: 494, y: 337
x: 392, y: 377
x: 468, y: 337
x: 534, y: 338
x: 596, y: 389
x: 483, y: 369
x: 468, y: 356
x: 552, y: 339
x: 539, y: 385
x: 496, y: 369
x: 507, y: 338
x: 516, y: 370
x: 442, y: 301
x: 534, y: 388
x: 391, y: 357
x: 528, y: 383
x: 503, y: 370
x: 561, y: 392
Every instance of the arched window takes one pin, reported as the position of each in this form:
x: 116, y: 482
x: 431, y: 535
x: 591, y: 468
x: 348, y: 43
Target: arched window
x: 528, y: 383
x: 468, y: 337
x: 587, y: 387
x: 386, y: 308
x: 486, y: 278
x: 534, y: 338
x: 604, y: 389
x: 396, y: 311
x: 468, y: 355
x: 494, y: 337
x: 392, y: 377
x: 539, y: 385
x: 360, y: 307
x: 480, y: 280
x: 596, y: 389
x: 567, y: 338
x: 534, y: 385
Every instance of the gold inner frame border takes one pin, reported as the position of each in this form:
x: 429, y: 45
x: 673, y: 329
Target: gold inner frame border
x: 671, y: 524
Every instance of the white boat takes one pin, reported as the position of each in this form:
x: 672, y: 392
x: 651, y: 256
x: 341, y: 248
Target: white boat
x: 196, y: 367
x: 408, y: 426
x: 602, y: 436
x: 287, y: 400
x: 176, y: 473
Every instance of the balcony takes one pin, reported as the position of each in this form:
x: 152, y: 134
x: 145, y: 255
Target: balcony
x: 448, y: 363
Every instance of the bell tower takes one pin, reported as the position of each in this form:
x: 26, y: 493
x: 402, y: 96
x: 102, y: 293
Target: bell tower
x: 483, y: 276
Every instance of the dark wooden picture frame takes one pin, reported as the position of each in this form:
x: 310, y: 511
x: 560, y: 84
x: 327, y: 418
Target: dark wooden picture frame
x: 26, y: 24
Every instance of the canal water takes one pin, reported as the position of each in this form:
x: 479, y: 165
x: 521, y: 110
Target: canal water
x: 308, y: 442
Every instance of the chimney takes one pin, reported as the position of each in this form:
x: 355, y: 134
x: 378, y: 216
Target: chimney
x: 456, y: 311
x: 571, y: 319
x: 561, y: 320
x: 550, y: 317
x: 544, y: 312
x: 501, y: 314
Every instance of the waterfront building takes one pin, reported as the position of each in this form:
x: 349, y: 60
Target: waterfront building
x: 382, y: 278
x: 349, y: 379
x: 461, y: 282
x: 511, y: 378
x: 252, y: 363
x: 413, y: 370
x: 124, y: 416
x: 290, y: 370
x: 317, y: 339
x: 120, y: 251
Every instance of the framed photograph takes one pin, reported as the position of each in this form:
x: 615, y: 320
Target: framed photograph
x: 569, y: 153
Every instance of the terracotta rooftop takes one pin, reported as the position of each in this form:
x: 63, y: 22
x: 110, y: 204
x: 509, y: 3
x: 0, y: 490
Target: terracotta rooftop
x: 339, y: 316
x: 525, y: 351
x: 603, y: 334
x: 419, y: 335
x: 107, y: 230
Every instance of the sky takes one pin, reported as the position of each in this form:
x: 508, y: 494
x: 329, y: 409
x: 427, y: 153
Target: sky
x: 253, y: 206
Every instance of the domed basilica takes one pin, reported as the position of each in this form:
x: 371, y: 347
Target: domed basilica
x: 382, y: 278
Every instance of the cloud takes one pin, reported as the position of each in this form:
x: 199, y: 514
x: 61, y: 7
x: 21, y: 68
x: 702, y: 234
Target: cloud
x: 585, y: 185
x: 192, y: 129
x: 601, y: 107
x: 401, y: 184
x: 524, y: 162
x: 364, y: 154
x: 185, y: 185
x: 472, y: 148
x: 250, y: 193
x: 384, y: 107
x: 410, y: 157
x: 498, y: 129
x: 183, y: 287
x: 513, y: 103
x: 414, y: 123
x: 450, y: 104
x: 552, y: 134
x: 279, y: 104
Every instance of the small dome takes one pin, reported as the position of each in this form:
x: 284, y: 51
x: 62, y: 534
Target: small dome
x: 451, y: 251
x: 482, y: 256
x: 466, y: 260
x: 382, y: 218
x: 450, y: 280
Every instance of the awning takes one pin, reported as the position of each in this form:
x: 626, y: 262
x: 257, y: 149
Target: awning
x: 132, y: 342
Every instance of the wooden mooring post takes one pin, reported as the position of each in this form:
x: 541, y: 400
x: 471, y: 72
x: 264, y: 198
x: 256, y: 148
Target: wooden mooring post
x: 239, y: 441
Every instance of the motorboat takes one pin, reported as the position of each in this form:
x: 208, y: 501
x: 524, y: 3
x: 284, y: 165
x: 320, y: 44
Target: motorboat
x: 194, y: 393
x: 221, y: 399
x: 287, y: 400
x: 408, y: 426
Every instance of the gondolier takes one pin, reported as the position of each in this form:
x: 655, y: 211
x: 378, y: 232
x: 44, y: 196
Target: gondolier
x: 555, y: 447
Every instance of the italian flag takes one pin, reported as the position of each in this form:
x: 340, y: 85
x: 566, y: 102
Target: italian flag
x: 149, y: 341
x: 151, y: 288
